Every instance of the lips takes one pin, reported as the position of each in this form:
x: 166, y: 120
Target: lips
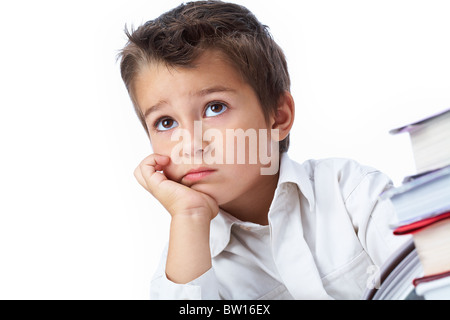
x: 198, y: 174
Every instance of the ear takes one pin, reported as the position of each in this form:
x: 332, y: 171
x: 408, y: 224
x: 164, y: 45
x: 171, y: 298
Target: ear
x: 283, y: 118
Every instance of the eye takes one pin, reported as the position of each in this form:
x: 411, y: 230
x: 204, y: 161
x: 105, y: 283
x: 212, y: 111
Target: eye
x: 165, y: 124
x: 214, y: 109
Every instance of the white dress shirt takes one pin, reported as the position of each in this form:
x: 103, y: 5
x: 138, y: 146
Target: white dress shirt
x: 327, y: 234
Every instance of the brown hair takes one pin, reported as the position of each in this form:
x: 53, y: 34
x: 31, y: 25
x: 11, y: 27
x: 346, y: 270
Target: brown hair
x: 179, y: 36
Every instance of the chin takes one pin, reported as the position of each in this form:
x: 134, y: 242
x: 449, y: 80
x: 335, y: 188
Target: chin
x: 209, y: 191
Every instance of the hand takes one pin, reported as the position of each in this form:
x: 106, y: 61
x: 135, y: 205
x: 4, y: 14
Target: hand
x: 175, y: 197
x: 189, y: 253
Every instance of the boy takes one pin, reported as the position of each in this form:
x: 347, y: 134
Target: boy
x: 209, y: 74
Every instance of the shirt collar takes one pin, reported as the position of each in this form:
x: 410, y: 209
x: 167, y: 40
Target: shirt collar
x: 293, y: 172
x: 220, y: 232
x: 290, y: 172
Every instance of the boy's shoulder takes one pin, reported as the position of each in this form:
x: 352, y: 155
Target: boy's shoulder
x: 339, y: 166
x: 346, y: 174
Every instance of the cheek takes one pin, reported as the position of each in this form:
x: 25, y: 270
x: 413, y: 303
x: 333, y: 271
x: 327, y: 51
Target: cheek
x: 170, y: 172
x: 162, y: 145
x: 165, y: 148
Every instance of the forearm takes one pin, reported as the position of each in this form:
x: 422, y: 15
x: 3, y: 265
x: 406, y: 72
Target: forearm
x: 189, y: 253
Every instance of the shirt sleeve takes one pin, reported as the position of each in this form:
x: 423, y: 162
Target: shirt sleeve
x: 373, y: 217
x: 204, y: 287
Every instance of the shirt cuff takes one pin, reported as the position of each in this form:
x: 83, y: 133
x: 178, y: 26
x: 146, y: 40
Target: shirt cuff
x: 204, y: 287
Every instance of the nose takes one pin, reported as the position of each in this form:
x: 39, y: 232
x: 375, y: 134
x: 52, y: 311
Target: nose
x: 194, y: 146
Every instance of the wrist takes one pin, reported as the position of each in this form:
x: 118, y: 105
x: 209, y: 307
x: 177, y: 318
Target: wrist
x: 192, y: 221
x: 195, y: 214
x: 189, y: 252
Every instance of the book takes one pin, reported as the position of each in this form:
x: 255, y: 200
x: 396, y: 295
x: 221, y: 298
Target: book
x: 433, y: 247
x: 421, y: 197
x: 395, y: 281
x: 430, y: 140
x: 431, y: 238
x: 435, y: 287
x: 422, y: 205
x: 419, y: 225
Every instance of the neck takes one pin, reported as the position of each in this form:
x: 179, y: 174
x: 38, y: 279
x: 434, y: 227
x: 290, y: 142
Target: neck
x: 254, y: 205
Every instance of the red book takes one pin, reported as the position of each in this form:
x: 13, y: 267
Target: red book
x: 432, y: 241
x: 419, y: 225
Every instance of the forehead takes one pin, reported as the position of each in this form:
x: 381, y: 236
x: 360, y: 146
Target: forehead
x: 212, y: 68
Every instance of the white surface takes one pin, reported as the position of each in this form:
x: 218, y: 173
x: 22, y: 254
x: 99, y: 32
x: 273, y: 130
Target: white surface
x: 74, y: 224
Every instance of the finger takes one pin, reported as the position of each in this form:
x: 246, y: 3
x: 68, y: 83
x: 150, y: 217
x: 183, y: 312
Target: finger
x: 160, y: 159
x: 147, y: 172
x: 153, y: 163
x: 138, y: 173
x: 158, y: 162
x: 139, y: 177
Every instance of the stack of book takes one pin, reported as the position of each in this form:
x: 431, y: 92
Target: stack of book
x: 422, y: 203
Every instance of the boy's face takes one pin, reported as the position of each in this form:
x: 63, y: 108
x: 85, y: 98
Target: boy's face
x: 194, y: 115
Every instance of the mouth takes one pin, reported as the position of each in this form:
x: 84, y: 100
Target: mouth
x: 198, y: 174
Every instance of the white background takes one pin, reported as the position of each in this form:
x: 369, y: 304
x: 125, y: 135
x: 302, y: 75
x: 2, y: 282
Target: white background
x: 74, y: 223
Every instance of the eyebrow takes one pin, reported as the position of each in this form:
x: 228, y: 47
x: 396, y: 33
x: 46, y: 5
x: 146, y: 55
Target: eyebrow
x: 154, y: 108
x: 201, y: 93
x: 214, y: 89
